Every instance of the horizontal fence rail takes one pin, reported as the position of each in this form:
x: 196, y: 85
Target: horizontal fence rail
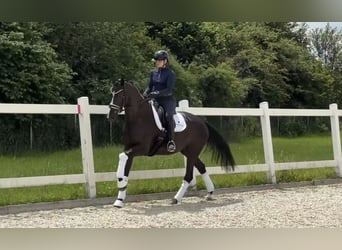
x: 37, y: 109
x: 89, y: 177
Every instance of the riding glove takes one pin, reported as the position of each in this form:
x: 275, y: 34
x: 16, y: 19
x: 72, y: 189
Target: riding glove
x: 146, y: 93
x: 154, y: 94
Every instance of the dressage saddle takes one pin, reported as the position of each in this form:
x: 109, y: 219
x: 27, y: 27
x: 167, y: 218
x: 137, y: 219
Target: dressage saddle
x: 161, y: 139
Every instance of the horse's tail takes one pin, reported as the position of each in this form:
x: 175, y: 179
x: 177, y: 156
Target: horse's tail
x: 220, y: 148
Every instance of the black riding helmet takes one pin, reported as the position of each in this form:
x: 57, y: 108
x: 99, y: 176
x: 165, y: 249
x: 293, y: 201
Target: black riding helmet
x: 161, y: 55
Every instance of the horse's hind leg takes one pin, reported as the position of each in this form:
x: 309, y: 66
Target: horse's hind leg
x: 122, y: 172
x: 206, y: 178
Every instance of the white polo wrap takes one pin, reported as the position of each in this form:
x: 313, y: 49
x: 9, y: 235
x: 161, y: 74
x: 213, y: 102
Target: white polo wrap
x: 208, y: 183
x: 182, y: 190
x: 120, y: 173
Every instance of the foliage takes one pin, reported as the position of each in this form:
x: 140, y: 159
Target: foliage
x: 326, y: 45
x: 217, y: 64
x: 220, y: 87
x: 30, y: 72
x: 29, y: 69
x: 186, y: 83
x: 101, y: 52
x: 189, y: 41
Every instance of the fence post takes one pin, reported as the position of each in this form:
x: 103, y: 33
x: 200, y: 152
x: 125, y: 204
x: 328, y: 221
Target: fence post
x: 267, y: 141
x: 336, y: 139
x: 86, y: 145
x: 183, y: 105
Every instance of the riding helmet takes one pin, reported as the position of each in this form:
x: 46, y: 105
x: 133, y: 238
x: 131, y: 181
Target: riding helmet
x: 161, y: 55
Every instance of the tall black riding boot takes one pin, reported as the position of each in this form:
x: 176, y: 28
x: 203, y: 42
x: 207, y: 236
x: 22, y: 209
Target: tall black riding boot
x: 171, y: 145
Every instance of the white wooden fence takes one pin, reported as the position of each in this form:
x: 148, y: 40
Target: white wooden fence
x: 89, y: 177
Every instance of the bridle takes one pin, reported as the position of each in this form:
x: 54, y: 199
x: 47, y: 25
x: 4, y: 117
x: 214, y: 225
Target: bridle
x: 116, y: 107
x: 119, y: 108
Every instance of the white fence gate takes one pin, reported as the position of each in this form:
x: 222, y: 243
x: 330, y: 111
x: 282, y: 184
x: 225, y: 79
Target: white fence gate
x: 90, y: 177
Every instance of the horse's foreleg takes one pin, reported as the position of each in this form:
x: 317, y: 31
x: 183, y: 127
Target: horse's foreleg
x: 122, y: 172
x: 180, y: 194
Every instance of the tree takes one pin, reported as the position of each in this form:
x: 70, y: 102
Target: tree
x: 186, y: 84
x: 220, y: 87
x: 188, y: 41
x: 252, y: 49
x: 272, y: 59
x: 30, y: 71
x: 101, y: 52
x: 326, y: 45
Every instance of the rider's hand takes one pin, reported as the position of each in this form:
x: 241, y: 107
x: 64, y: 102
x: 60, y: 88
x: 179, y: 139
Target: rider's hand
x: 154, y: 94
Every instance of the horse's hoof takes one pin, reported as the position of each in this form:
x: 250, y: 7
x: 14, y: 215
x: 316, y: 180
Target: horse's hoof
x: 118, y: 204
x: 174, y: 201
x: 209, y: 197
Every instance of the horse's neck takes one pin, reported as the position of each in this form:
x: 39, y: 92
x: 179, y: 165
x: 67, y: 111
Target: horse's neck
x: 138, y: 111
x: 136, y: 107
x: 138, y: 115
x: 134, y: 98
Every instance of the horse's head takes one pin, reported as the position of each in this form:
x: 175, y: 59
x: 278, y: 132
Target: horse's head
x: 125, y: 95
x: 118, y: 99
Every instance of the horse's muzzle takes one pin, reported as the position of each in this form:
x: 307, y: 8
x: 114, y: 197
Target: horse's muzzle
x: 112, y: 115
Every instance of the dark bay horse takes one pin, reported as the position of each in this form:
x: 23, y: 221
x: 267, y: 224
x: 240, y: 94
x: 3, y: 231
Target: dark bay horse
x: 143, y: 138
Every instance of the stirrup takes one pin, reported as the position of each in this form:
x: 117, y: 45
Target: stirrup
x: 171, y: 146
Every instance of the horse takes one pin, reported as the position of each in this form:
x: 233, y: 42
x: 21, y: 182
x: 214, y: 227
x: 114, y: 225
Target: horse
x: 143, y: 138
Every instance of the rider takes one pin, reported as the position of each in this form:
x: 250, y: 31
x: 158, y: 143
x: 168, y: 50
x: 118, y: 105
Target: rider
x: 160, y: 87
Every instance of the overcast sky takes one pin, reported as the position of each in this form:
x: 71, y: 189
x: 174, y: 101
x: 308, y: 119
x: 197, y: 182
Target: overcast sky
x: 313, y: 25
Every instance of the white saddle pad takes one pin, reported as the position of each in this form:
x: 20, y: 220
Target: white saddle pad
x: 178, y: 118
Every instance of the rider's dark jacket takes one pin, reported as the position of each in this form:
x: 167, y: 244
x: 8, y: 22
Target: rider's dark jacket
x: 162, y: 80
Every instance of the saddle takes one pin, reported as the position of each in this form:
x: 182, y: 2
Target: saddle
x: 160, y: 121
x: 160, y: 112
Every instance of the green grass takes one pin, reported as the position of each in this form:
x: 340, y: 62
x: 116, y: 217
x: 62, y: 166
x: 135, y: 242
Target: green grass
x: 38, y: 164
x: 247, y: 151
x: 25, y: 195
x: 310, y: 148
